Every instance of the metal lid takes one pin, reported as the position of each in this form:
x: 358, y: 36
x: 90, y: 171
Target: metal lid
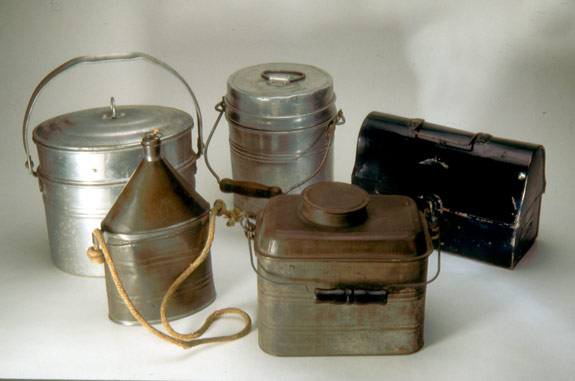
x: 156, y: 197
x: 394, y: 229
x: 99, y: 128
x: 334, y: 204
x: 280, y: 96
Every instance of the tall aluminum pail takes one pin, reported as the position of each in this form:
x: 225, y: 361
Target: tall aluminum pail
x: 86, y: 158
x: 281, y: 120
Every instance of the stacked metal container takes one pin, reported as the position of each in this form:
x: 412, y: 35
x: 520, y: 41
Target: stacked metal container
x: 86, y: 157
x: 281, y: 118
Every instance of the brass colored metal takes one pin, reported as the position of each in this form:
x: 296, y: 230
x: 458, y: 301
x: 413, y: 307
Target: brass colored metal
x: 334, y: 204
x: 341, y: 272
x: 156, y: 228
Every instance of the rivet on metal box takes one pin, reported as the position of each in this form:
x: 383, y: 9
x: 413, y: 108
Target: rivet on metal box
x: 489, y: 189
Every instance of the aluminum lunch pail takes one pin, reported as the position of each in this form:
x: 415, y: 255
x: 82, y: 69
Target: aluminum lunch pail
x: 86, y: 157
x: 281, y: 118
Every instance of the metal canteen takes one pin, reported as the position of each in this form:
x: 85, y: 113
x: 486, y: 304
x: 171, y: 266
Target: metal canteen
x: 155, y: 229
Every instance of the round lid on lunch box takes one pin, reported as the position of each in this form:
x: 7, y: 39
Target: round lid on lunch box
x: 100, y: 128
x: 334, y: 204
x: 280, y: 96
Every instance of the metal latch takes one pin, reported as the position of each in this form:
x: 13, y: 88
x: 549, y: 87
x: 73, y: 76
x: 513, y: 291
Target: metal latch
x: 432, y: 211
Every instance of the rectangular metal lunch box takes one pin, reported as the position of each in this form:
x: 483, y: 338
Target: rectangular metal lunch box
x: 341, y: 272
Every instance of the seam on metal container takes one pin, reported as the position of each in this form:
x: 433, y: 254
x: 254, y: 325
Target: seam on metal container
x: 109, y: 148
x: 280, y: 158
x: 335, y: 330
x: 160, y: 233
x: 119, y: 181
x: 236, y: 125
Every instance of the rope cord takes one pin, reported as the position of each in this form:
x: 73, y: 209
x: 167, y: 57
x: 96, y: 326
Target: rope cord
x: 186, y: 341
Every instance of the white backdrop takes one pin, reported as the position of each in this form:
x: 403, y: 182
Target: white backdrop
x: 502, y: 67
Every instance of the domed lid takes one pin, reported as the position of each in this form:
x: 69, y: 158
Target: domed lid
x: 280, y: 96
x: 110, y: 127
x: 156, y: 197
x: 334, y: 204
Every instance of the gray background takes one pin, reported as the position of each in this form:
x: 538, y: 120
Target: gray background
x: 502, y: 67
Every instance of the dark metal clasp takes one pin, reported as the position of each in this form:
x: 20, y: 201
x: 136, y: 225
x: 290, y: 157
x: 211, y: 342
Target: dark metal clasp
x: 432, y: 211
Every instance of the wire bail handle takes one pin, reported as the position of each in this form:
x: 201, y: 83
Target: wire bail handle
x: 98, y: 59
x: 253, y: 189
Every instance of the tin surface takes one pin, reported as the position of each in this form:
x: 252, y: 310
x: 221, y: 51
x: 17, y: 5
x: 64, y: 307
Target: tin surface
x: 86, y: 157
x: 341, y: 273
x: 154, y: 230
x: 279, y: 117
x: 489, y: 189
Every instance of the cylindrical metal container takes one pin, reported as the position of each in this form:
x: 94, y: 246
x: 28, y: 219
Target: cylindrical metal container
x: 86, y: 157
x: 155, y: 229
x: 281, y: 120
x: 341, y: 272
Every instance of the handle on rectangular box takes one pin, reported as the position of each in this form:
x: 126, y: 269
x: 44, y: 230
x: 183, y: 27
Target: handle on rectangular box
x: 350, y: 296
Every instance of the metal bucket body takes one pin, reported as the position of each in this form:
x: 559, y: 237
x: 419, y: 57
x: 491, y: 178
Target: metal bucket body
x: 279, y: 158
x: 341, y: 273
x: 149, y: 263
x: 81, y: 176
x: 279, y: 116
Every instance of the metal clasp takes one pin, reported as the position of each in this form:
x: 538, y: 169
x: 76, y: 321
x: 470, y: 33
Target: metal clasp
x: 432, y: 212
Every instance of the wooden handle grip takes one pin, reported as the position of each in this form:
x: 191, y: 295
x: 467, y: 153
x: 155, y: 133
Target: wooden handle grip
x: 248, y: 188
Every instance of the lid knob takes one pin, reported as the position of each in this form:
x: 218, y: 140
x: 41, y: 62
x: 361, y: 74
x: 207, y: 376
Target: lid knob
x: 334, y: 204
